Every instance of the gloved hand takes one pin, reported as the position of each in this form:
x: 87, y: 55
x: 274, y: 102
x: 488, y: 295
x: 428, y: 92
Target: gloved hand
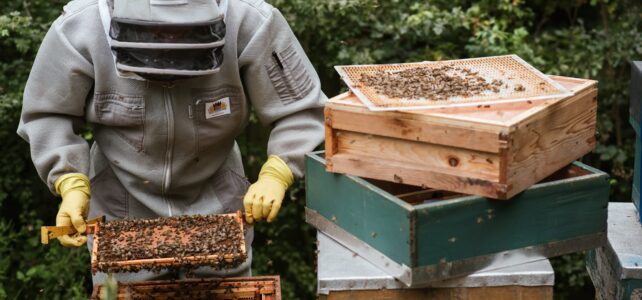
x: 74, y: 189
x: 264, y: 197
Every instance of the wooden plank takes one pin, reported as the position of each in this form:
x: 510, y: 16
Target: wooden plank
x: 171, y: 261
x: 578, y: 88
x: 494, y: 114
x: 509, y: 113
x: 574, y: 84
x: 550, y: 139
x: 403, y: 126
x: 407, y: 173
x: 94, y: 250
x: 495, y: 293
x: 330, y: 143
x: 484, y: 117
x: 498, y: 114
x: 429, y: 157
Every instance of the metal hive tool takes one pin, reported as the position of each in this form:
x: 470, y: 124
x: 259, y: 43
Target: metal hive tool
x: 159, y: 237
x: 511, y: 69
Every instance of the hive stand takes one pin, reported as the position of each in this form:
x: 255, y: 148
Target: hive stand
x: 616, y: 268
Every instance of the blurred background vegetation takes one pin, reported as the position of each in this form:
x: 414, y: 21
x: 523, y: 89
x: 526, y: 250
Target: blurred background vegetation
x: 582, y: 38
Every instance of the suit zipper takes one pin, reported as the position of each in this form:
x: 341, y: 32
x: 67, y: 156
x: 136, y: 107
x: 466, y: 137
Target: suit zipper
x: 167, y: 177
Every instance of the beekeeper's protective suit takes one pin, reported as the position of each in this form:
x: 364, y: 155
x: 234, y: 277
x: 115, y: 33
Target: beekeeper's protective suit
x: 167, y: 85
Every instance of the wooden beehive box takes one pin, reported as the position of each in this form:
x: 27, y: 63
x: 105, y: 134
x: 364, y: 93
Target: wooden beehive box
x: 616, y: 268
x: 250, y: 288
x: 170, y: 244
x: 419, y: 236
x: 495, y: 151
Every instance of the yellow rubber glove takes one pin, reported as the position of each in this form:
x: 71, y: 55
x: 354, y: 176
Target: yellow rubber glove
x: 74, y: 189
x: 265, y: 196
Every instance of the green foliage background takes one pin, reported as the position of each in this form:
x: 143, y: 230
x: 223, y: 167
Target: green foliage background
x: 581, y: 38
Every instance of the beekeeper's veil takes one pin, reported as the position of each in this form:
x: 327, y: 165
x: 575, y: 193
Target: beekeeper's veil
x: 165, y: 39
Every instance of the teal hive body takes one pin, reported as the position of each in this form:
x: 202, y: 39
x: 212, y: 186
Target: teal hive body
x: 435, y: 240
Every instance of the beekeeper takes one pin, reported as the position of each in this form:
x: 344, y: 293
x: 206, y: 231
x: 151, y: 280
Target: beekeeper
x: 167, y: 86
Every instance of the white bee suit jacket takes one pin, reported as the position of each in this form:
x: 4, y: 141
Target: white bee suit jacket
x: 167, y: 149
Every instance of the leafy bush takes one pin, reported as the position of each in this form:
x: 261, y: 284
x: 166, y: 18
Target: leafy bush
x: 589, y: 39
x: 31, y: 271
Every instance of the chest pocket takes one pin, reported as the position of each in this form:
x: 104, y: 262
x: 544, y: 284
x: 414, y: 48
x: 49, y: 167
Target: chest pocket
x: 123, y: 114
x: 218, y: 116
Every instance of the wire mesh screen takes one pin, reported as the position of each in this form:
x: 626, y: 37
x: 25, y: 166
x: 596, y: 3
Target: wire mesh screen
x: 464, y: 82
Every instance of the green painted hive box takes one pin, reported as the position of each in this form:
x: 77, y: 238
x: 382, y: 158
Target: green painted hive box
x: 616, y: 268
x: 423, y: 235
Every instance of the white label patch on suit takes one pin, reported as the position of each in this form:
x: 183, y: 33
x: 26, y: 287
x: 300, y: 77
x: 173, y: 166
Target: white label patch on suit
x: 217, y: 108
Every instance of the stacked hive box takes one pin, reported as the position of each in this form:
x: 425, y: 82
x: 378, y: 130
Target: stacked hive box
x: 616, y: 268
x: 421, y: 236
x: 494, y: 151
x: 636, y: 98
x: 412, y: 217
x: 344, y: 275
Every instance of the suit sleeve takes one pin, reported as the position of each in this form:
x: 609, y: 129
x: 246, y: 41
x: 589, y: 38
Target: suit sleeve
x: 284, y: 90
x: 53, y: 108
